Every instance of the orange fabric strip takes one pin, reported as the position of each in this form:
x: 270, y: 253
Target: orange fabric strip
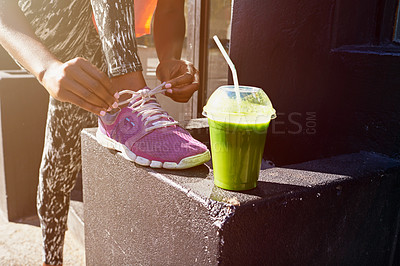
x: 144, y: 10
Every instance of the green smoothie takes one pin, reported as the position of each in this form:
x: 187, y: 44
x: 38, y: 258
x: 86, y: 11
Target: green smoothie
x: 238, y: 129
x: 237, y: 151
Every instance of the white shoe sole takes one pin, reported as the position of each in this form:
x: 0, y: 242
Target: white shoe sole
x: 185, y: 163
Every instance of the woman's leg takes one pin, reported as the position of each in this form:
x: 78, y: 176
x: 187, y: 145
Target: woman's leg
x: 61, y: 162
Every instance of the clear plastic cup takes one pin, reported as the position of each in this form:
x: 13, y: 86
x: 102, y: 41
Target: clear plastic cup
x: 237, y: 133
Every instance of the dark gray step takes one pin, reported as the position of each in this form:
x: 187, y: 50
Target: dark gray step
x: 76, y: 221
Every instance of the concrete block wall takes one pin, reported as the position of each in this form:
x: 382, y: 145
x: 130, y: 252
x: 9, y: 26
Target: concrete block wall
x: 332, y: 95
x: 342, y: 210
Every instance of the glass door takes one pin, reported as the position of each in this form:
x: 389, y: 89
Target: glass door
x: 148, y: 56
x: 204, y: 19
x: 216, y: 20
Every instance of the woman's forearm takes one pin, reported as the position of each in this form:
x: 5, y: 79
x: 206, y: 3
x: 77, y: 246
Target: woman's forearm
x: 76, y: 81
x: 19, y: 39
x: 169, y: 33
x: 169, y: 29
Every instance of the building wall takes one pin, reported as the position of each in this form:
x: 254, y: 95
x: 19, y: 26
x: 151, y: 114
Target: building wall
x: 330, y: 71
x: 6, y: 62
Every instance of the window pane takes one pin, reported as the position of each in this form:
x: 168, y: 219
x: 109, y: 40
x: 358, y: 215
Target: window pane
x: 219, y: 24
x: 396, y: 36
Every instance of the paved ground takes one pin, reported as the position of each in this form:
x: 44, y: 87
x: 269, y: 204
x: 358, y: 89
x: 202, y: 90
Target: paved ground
x: 20, y: 244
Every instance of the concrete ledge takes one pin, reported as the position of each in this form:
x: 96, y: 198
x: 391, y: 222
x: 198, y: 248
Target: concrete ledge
x: 199, y: 128
x: 341, y: 210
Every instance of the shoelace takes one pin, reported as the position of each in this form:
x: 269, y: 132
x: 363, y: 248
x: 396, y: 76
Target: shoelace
x: 150, y: 111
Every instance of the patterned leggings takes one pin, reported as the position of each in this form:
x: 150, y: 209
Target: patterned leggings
x: 61, y: 160
x: 61, y: 163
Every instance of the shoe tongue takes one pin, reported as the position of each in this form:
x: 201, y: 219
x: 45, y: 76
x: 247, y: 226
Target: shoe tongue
x: 110, y: 117
x: 150, y: 99
x: 144, y: 95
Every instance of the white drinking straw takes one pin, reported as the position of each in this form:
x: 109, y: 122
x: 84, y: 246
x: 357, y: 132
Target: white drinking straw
x: 231, y: 66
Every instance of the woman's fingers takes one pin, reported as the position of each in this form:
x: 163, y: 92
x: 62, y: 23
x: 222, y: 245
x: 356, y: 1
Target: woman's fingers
x: 182, y: 94
x: 81, y: 83
x: 83, y: 92
x: 90, y: 87
x: 98, y: 75
x: 181, y: 88
x: 180, y: 81
x: 84, y: 104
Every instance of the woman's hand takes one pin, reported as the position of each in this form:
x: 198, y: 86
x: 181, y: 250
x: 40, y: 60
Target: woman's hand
x: 181, y: 76
x: 81, y: 83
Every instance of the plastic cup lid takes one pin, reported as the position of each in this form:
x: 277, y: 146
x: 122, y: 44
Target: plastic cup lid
x: 254, y: 107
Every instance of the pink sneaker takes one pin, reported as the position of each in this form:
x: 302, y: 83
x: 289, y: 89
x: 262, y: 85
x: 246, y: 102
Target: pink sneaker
x: 145, y: 134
